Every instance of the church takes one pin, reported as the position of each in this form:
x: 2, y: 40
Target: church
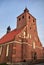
x: 22, y: 43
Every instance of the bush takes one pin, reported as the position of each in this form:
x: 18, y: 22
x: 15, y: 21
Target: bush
x: 3, y: 64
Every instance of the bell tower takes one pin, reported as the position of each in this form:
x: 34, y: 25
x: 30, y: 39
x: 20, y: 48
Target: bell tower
x: 22, y: 19
x: 28, y: 21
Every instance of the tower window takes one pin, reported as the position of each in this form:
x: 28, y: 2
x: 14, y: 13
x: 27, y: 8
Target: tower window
x: 33, y: 20
x: 19, y: 19
x: 30, y: 27
x: 22, y: 16
x: 29, y: 17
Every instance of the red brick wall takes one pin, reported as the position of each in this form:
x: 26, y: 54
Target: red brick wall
x: 2, y: 57
x: 22, y: 22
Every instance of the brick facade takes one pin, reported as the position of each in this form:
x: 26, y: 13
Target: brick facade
x: 25, y: 45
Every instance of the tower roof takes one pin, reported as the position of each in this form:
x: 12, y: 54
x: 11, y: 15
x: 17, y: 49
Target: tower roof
x: 26, y: 10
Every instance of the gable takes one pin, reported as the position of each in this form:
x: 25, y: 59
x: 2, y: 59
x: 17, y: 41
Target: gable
x: 9, y: 36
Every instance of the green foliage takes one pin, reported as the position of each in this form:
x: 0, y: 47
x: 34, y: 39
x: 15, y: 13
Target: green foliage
x: 3, y: 64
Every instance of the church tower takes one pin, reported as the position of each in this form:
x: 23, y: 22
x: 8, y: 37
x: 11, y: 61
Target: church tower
x: 26, y: 19
x: 22, y: 19
x: 33, y: 45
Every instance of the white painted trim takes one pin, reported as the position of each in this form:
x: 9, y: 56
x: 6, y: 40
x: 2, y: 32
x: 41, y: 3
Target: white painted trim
x: 39, y: 47
x: 7, y: 50
x: 0, y: 50
x: 27, y: 43
x: 20, y: 43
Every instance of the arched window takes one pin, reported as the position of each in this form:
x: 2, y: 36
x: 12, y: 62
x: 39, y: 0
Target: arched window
x: 23, y: 17
x: 7, y: 50
x: 0, y: 50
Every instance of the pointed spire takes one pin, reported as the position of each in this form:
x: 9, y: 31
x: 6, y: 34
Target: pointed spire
x: 8, y: 29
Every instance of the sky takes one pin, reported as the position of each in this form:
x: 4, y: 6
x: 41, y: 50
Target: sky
x: 10, y: 9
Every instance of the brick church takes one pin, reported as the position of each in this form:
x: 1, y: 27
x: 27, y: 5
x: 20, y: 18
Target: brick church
x: 22, y: 43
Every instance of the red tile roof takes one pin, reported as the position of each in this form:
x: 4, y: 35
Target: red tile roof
x: 9, y: 36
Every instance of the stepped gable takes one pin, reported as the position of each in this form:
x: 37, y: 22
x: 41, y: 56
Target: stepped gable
x: 9, y: 36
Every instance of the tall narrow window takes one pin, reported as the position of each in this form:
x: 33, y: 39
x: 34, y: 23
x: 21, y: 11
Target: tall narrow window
x: 28, y: 35
x: 19, y: 19
x: 7, y: 50
x: 33, y: 21
x: 0, y: 50
x: 23, y: 17
x: 33, y: 45
x: 29, y: 17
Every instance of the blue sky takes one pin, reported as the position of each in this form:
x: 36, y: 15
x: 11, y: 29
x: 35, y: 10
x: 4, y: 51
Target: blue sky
x: 10, y: 9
